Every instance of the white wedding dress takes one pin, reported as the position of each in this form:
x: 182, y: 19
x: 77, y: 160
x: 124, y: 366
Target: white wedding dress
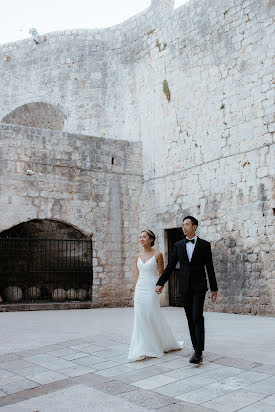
x: 151, y: 335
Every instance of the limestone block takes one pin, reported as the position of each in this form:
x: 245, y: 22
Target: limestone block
x: 13, y: 293
x: 262, y: 172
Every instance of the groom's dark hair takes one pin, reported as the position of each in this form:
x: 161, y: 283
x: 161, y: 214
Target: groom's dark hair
x: 193, y: 220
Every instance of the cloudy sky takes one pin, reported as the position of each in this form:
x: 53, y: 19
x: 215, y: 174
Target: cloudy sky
x: 18, y: 16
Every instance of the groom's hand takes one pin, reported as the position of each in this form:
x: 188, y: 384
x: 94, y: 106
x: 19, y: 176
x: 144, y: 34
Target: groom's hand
x: 214, y: 294
x: 159, y: 289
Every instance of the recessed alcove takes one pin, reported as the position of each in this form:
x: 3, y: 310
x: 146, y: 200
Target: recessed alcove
x: 38, y: 114
x: 44, y: 260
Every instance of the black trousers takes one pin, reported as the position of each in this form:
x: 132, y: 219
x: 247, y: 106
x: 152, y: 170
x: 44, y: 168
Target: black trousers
x: 193, y: 304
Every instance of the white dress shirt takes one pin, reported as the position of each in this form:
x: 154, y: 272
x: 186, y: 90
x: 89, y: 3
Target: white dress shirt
x: 190, y: 247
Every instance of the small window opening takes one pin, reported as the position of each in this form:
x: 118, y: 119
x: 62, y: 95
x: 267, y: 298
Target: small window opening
x: 113, y: 160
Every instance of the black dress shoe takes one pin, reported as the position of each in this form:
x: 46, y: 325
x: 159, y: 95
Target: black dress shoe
x: 196, y: 358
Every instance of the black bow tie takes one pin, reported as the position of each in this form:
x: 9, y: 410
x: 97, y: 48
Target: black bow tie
x: 190, y: 240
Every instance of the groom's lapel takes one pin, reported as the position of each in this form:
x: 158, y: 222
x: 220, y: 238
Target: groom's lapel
x: 184, y: 249
x: 196, y: 250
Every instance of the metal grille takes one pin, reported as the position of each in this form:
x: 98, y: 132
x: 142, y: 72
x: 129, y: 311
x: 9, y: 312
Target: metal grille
x: 175, y: 298
x: 45, y: 269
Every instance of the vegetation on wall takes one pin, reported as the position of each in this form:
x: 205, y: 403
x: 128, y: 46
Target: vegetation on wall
x: 166, y: 90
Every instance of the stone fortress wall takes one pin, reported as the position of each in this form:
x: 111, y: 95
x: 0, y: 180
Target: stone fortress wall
x: 75, y: 182
x: 194, y: 87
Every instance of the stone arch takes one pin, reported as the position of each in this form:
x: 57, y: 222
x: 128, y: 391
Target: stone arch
x: 44, y: 228
x: 37, y: 114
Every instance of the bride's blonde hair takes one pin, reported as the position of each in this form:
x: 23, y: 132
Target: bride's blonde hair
x: 151, y: 235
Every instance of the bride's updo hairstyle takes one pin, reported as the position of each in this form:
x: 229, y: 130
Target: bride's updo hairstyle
x: 151, y: 235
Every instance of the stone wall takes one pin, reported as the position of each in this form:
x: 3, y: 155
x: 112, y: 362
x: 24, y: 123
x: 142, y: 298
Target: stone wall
x: 195, y: 87
x: 208, y: 141
x: 76, y: 178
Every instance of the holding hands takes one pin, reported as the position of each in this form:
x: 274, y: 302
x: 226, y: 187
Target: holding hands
x: 158, y: 289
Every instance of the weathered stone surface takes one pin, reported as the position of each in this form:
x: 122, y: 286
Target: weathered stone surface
x: 207, y: 150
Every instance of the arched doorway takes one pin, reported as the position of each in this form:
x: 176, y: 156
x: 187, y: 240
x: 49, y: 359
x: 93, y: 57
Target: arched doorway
x: 44, y: 260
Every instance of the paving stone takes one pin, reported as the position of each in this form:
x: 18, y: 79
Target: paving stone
x: 184, y: 407
x: 141, y: 374
x: 123, y: 358
x: 92, y: 349
x: 62, y: 352
x: 48, y: 377
x: 184, y: 385
x: 76, y: 371
x: 80, y: 347
x: 223, y: 372
x: 265, y: 386
x: 38, y: 351
x: 9, y: 357
x: 147, y: 399
x: 114, y: 387
x: 154, y: 381
x: 243, y: 379
x: 91, y: 379
x: 237, y: 363
x: 30, y: 372
x: 2, y: 394
x: 89, y: 360
x: 210, y: 356
x: 10, y: 379
x: 108, y: 353
x: 74, y: 342
x: 204, y: 394
x: 270, y: 369
x: 31, y: 352
x: 177, y: 363
x: 117, y: 370
x: 270, y: 400
x: 259, y: 407
x: 185, y: 372
x: 50, y: 362
x: 5, y: 374
x: 74, y: 398
x: 105, y: 365
x: 233, y: 401
x: 19, y: 386
x: 74, y: 356
x: 146, y: 363
x: 16, y: 364
x: 191, y: 370
x: 124, y: 347
x: 34, y: 392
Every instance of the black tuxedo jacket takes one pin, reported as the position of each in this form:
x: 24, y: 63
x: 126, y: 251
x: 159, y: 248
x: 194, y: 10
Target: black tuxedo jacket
x: 192, y: 274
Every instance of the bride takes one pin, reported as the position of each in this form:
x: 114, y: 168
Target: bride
x: 151, y: 335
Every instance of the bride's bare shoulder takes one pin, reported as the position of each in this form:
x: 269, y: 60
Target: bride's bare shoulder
x: 158, y: 254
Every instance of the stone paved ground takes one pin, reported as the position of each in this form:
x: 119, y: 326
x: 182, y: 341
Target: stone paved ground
x: 77, y: 361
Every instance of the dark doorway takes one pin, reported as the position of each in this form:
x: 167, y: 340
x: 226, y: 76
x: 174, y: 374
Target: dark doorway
x: 175, y: 298
x: 44, y: 260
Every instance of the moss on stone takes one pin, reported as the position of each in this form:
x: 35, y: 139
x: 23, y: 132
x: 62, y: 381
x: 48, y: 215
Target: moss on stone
x: 166, y: 90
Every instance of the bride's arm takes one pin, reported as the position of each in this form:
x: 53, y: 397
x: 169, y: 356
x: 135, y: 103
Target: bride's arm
x: 159, y: 259
x: 135, y: 278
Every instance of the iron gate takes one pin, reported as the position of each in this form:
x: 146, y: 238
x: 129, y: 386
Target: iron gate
x: 175, y: 298
x: 38, y: 269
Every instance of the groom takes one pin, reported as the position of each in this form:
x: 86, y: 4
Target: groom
x: 193, y: 254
